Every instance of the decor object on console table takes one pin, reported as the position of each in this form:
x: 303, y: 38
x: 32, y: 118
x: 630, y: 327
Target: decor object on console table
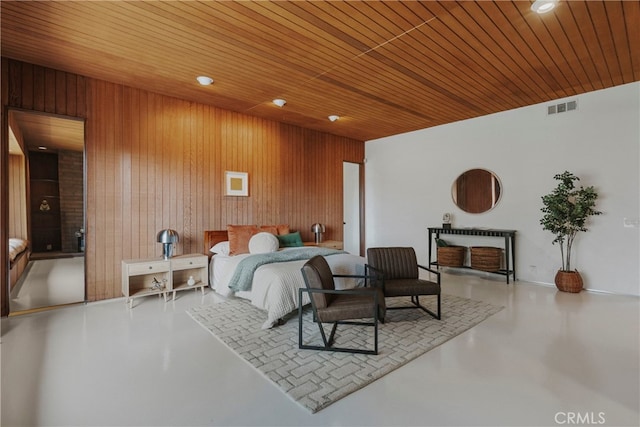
x: 566, y: 210
x: 167, y: 237
x: 446, y: 220
x: 509, y: 244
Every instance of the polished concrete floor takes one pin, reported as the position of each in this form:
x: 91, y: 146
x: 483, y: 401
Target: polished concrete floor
x: 49, y: 282
x: 547, y: 359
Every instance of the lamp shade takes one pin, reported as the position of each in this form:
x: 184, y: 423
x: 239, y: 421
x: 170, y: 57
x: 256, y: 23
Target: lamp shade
x: 168, y: 236
x: 317, y: 228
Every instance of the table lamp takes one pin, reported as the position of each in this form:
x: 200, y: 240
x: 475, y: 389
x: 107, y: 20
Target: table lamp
x: 318, y: 229
x: 167, y: 237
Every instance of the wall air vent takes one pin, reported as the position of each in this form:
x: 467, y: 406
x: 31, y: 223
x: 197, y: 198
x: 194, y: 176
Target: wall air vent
x: 562, y: 107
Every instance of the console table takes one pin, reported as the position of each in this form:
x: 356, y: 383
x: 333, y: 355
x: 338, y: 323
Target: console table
x: 509, y: 244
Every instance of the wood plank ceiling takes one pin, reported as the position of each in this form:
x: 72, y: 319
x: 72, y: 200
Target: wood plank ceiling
x: 385, y: 67
x: 52, y: 132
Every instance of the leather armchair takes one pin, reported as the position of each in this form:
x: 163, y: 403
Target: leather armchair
x: 396, y: 272
x: 338, y: 307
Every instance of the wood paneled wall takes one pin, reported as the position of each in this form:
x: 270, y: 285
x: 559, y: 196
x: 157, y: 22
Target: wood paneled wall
x: 4, y: 190
x: 157, y: 162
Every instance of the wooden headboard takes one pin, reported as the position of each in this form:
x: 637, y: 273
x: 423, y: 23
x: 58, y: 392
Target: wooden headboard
x: 211, y: 237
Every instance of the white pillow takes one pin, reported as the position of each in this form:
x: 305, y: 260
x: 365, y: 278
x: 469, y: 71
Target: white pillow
x: 262, y: 243
x: 221, y: 248
x: 17, y: 244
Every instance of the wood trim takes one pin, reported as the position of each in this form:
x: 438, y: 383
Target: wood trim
x: 4, y: 190
x: 211, y: 237
x: 363, y: 243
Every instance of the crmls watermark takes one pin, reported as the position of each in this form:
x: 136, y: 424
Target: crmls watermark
x: 580, y: 418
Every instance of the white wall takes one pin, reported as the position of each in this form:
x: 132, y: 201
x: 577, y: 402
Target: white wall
x: 409, y: 176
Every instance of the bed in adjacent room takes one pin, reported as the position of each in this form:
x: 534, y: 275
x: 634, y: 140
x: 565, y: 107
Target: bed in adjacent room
x: 18, y: 259
x: 248, y: 262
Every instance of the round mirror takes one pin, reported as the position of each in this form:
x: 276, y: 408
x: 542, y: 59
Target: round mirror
x: 476, y: 191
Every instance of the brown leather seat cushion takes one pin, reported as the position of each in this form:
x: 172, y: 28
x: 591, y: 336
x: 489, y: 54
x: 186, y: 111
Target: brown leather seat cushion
x: 404, y: 287
x: 352, y: 307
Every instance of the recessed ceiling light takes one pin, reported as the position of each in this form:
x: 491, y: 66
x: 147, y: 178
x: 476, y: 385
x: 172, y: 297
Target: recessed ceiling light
x: 204, y: 80
x: 333, y: 117
x: 543, y: 6
x: 42, y: 147
x: 279, y: 102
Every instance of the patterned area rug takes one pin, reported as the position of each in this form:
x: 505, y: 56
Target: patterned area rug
x: 316, y: 379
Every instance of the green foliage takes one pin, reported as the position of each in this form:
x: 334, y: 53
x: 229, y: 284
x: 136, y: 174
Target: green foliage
x: 566, y: 210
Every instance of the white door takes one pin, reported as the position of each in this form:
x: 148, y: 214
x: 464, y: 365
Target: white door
x: 351, y: 203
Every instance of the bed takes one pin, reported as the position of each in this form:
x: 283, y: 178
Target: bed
x: 274, y: 286
x: 18, y: 259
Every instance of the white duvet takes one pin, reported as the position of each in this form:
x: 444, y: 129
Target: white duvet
x: 275, y: 286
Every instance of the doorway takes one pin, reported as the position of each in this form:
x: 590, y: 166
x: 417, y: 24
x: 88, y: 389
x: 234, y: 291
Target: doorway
x: 352, y: 207
x: 46, y: 208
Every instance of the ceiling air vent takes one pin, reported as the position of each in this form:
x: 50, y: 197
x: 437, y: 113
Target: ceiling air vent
x: 562, y: 107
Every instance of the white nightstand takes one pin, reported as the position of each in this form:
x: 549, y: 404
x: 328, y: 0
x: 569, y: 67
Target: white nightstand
x: 143, y: 277
x: 184, y: 266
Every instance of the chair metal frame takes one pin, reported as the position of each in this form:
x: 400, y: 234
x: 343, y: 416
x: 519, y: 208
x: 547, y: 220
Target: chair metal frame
x: 328, y: 343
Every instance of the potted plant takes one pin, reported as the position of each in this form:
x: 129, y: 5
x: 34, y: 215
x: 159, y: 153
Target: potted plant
x: 566, y: 210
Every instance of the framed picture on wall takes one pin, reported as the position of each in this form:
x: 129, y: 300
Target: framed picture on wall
x: 236, y: 183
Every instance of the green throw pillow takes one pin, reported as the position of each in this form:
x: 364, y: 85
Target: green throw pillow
x: 290, y: 240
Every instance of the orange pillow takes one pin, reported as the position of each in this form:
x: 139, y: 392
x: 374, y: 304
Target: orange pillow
x: 269, y: 229
x: 283, y: 228
x: 239, y: 236
x: 276, y: 229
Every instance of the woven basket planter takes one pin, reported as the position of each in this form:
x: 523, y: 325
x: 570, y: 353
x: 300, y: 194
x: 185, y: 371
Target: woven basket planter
x: 451, y: 256
x: 486, y: 258
x: 569, y: 281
